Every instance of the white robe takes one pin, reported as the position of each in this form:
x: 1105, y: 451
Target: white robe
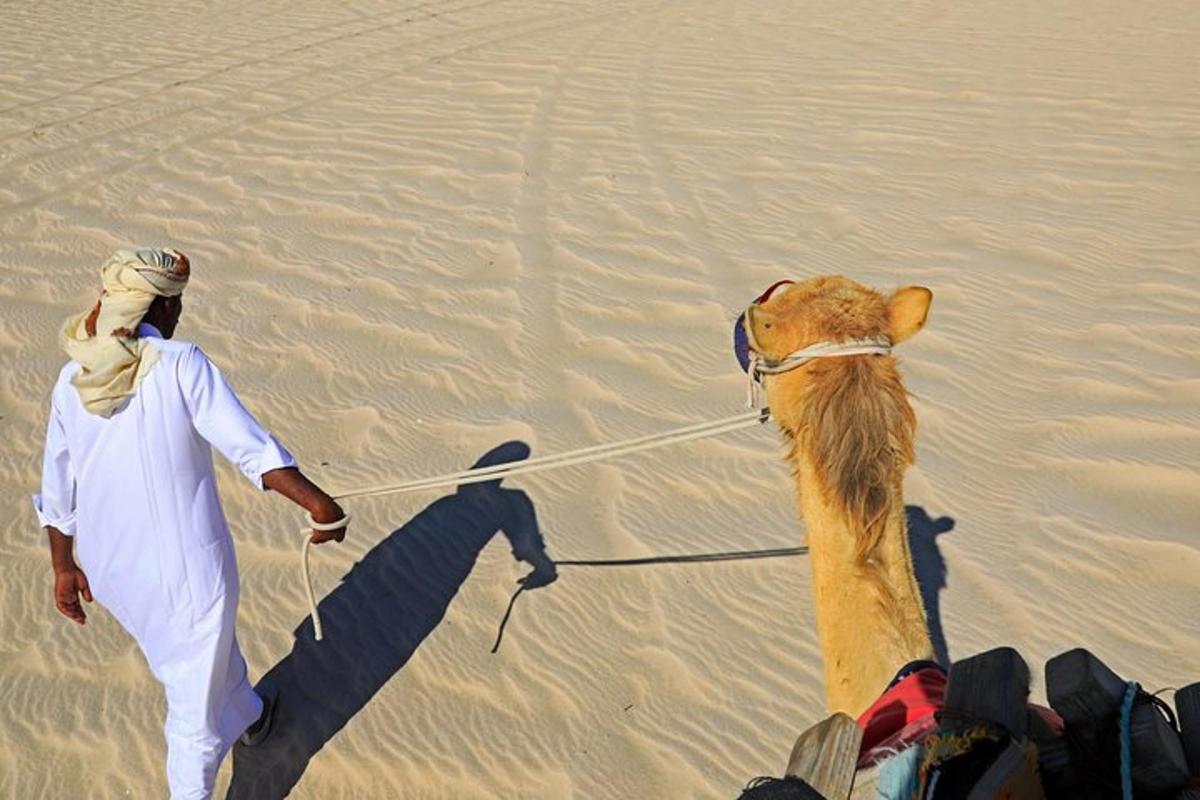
x: 137, y: 492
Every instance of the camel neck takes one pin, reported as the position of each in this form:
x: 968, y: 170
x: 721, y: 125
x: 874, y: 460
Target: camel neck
x: 870, y: 618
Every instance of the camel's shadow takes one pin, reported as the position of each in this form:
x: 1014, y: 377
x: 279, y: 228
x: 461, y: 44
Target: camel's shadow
x: 386, y: 605
x: 930, y: 568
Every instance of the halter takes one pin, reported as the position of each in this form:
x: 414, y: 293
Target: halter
x: 762, y: 365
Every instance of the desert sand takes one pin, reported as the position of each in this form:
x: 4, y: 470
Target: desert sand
x: 421, y: 230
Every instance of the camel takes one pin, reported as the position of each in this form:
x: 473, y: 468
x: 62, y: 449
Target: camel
x: 850, y: 432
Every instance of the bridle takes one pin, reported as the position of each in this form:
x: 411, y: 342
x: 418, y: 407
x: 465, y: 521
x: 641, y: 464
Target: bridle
x: 764, y: 365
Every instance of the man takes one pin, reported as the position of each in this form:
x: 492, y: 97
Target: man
x: 128, y: 479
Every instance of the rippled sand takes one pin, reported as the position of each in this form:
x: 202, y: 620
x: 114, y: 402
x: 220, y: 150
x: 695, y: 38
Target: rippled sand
x: 421, y: 230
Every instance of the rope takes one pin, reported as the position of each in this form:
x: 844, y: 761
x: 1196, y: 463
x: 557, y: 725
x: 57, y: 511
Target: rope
x: 851, y: 347
x: 586, y: 455
x: 697, y: 558
x: 312, y: 600
x: 778, y: 552
x: 1131, y: 691
x: 762, y: 365
x: 313, y: 525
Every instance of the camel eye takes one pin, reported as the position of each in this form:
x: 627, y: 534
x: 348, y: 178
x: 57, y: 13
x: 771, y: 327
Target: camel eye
x: 766, y: 325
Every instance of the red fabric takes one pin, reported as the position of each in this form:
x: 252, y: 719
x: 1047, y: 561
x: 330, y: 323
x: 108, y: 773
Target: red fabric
x: 905, y: 714
x: 902, y: 714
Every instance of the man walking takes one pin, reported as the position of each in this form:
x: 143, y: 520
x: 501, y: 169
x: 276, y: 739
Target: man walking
x: 128, y: 481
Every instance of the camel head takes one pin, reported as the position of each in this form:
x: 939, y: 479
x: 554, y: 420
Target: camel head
x: 847, y: 417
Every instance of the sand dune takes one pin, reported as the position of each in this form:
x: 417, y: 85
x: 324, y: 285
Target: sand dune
x: 420, y: 230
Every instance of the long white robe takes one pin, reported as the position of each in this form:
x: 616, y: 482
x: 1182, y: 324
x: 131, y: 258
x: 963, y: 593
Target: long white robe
x: 137, y: 492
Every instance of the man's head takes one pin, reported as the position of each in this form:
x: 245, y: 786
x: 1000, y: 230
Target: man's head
x: 167, y: 306
x: 137, y: 286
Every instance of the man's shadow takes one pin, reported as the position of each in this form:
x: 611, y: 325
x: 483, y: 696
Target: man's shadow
x: 930, y: 567
x: 386, y: 605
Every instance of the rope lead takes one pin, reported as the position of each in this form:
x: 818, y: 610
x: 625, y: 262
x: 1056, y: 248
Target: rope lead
x: 570, y: 458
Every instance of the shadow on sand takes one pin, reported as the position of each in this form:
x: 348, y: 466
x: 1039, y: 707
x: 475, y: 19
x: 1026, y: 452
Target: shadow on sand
x: 376, y: 619
x: 930, y: 567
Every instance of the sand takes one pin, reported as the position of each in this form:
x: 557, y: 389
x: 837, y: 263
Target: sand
x: 421, y: 230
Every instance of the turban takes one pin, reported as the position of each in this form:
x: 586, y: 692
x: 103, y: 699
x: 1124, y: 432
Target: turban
x: 104, y: 340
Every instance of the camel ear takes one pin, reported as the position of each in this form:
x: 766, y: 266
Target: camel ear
x: 907, y: 311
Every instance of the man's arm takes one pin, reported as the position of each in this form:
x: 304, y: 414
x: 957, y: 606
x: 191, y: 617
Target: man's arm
x: 55, y: 508
x: 69, y: 581
x: 292, y: 484
x: 222, y: 420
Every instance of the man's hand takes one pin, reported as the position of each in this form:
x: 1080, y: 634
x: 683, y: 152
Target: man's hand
x: 321, y: 537
x: 292, y: 484
x: 328, y: 511
x: 69, y: 584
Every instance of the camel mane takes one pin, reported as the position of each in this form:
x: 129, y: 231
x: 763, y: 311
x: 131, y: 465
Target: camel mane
x: 858, y: 428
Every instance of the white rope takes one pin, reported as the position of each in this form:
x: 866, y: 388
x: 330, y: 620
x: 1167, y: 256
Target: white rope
x: 586, y: 455
x: 851, y: 347
x: 582, y: 456
x: 325, y: 527
x: 307, y: 532
x: 761, y: 365
x: 312, y: 600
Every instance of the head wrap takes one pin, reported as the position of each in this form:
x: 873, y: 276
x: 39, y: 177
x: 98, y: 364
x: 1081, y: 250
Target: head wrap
x: 104, y: 340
